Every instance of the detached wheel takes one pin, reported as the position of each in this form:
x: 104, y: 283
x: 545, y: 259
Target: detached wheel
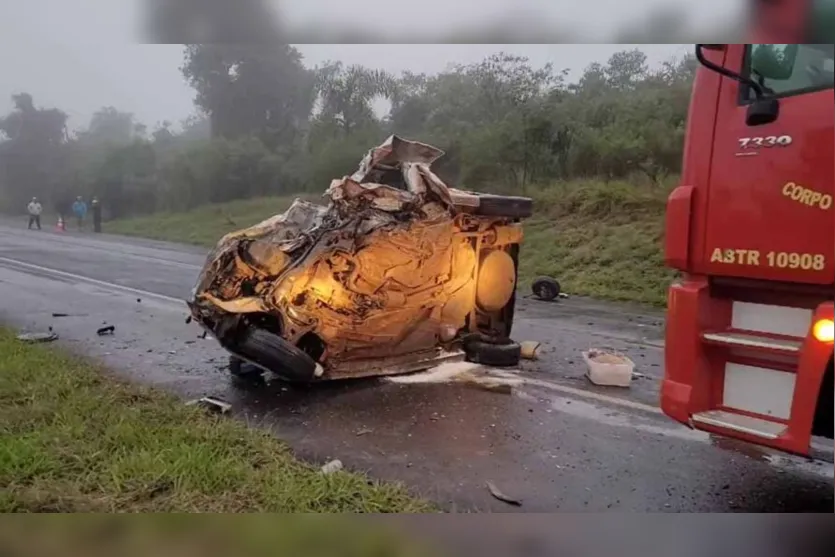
x: 242, y: 369
x: 545, y: 288
x: 506, y: 354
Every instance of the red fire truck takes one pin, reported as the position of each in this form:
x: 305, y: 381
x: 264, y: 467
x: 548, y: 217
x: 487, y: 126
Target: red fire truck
x: 751, y: 230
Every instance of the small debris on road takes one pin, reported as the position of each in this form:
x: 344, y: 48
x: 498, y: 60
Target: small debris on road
x: 108, y: 330
x: 608, y: 368
x: 58, y: 314
x: 496, y: 492
x: 364, y: 431
x: 332, y: 466
x: 211, y: 403
x: 139, y: 300
x: 188, y: 319
x: 38, y: 337
x: 530, y: 349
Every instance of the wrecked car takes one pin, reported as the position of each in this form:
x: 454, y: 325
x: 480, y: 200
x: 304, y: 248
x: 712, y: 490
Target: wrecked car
x: 396, y: 273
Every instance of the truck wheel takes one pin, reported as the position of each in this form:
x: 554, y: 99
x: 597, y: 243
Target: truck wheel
x: 504, y: 206
x: 242, y: 369
x: 505, y: 354
x: 269, y: 351
x: 545, y: 288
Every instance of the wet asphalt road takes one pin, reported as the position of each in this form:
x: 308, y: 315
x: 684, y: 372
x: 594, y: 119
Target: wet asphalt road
x: 557, y: 443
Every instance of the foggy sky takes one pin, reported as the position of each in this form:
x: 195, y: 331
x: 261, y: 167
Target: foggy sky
x: 84, y: 54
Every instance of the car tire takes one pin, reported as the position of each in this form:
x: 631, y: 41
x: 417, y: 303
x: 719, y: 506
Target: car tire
x: 504, y: 206
x: 241, y: 369
x: 269, y: 351
x: 494, y: 354
x: 545, y: 288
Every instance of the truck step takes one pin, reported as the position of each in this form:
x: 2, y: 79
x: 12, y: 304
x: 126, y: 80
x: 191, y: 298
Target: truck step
x: 742, y: 339
x: 739, y: 423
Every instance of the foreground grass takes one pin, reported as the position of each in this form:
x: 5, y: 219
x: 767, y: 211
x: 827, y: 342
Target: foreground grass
x: 601, y: 239
x: 75, y: 440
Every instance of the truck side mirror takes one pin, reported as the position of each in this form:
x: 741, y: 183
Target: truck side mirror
x: 762, y: 111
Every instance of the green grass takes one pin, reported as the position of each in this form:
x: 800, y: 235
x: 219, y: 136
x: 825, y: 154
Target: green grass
x: 600, y: 239
x: 204, y: 225
x: 73, y: 439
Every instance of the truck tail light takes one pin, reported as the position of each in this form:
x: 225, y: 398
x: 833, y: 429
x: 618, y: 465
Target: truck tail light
x: 824, y: 330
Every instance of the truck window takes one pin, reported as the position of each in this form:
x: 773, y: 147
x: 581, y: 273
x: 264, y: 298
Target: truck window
x: 822, y: 22
x: 812, y: 69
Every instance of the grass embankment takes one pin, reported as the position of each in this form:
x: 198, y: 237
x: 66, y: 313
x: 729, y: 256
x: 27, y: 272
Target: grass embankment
x: 74, y: 440
x: 600, y: 239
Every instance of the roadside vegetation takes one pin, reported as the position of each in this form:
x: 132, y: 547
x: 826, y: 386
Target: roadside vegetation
x: 600, y: 239
x: 73, y: 439
x: 598, y: 153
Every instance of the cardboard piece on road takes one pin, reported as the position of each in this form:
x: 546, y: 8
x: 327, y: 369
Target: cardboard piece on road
x: 530, y: 349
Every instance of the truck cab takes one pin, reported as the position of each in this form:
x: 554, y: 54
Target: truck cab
x: 751, y: 232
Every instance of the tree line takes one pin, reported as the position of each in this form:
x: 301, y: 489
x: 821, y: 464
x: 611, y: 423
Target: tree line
x: 268, y: 125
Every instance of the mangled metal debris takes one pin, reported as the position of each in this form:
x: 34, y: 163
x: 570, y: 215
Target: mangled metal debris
x: 211, y: 403
x: 389, y: 277
x: 34, y: 338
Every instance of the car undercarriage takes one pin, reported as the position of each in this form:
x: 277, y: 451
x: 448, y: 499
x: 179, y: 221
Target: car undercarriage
x: 397, y: 273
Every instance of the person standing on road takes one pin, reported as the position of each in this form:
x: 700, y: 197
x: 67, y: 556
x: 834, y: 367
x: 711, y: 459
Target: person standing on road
x: 79, y: 209
x: 96, y: 214
x: 35, y: 209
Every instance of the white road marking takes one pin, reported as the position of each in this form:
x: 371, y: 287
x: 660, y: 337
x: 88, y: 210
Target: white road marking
x: 104, y: 284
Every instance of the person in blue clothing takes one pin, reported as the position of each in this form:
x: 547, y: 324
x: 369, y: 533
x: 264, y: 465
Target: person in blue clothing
x: 79, y: 209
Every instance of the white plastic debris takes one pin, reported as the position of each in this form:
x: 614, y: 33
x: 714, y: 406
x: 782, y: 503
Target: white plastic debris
x: 608, y: 369
x: 332, y: 466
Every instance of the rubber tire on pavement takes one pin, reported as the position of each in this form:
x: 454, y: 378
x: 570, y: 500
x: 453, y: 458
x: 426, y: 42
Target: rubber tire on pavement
x: 545, y: 288
x: 268, y: 350
x: 504, y: 206
x: 507, y: 354
x: 242, y: 369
